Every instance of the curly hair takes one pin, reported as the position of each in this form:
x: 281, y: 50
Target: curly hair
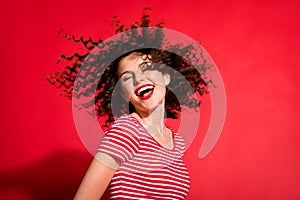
x: 85, y: 70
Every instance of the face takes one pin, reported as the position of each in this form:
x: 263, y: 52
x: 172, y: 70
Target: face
x: 144, y: 88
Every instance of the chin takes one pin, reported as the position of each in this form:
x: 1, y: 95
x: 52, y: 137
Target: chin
x: 148, y: 107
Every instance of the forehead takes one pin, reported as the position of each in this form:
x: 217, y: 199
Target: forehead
x: 132, y: 61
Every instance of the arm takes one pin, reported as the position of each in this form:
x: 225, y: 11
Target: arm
x: 122, y: 137
x: 95, y: 181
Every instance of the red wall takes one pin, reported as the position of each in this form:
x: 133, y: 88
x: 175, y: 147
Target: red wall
x: 256, y: 46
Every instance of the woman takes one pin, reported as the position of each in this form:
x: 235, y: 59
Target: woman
x: 146, y: 154
x: 139, y: 157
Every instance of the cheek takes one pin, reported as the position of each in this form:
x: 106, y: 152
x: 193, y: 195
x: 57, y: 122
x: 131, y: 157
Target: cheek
x: 155, y: 77
x: 127, y: 91
x: 161, y: 90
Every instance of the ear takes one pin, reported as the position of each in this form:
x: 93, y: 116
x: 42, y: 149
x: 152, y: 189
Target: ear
x: 167, y: 79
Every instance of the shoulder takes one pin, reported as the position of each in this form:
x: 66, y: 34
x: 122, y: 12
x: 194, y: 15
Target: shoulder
x: 121, y: 140
x: 179, y: 142
x: 125, y: 125
x: 125, y: 119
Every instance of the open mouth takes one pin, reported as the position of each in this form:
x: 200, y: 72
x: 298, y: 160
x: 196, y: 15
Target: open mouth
x: 144, y: 92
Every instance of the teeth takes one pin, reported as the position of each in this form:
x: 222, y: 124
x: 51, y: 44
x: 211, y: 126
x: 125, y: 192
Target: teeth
x: 143, y: 89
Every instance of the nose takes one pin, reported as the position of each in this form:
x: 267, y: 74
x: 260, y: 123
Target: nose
x: 138, y: 77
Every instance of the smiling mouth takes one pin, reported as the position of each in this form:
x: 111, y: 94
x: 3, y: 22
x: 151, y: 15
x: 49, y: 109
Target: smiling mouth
x: 144, y: 92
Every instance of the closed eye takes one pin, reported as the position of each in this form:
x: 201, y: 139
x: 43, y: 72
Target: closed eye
x: 126, y: 78
x: 126, y: 75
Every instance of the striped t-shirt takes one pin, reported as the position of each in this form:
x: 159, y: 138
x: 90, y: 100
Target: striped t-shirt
x: 148, y: 170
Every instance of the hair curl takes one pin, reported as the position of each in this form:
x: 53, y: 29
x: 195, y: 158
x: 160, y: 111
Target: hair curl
x: 96, y: 64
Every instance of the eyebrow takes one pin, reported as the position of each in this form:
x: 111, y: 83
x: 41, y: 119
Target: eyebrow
x: 125, y: 73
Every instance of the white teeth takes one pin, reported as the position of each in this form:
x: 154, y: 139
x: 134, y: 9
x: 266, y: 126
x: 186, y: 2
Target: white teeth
x: 140, y: 91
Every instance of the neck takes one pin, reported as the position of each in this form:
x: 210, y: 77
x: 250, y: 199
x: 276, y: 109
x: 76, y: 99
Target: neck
x: 154, y: 119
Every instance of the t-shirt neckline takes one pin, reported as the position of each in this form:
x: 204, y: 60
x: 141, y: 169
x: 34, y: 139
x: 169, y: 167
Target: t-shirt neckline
x: 172, y: 132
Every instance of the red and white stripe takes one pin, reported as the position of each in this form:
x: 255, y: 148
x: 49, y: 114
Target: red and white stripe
x: 148, y: 171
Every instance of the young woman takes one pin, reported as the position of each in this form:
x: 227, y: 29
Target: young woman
x: 139, y: 157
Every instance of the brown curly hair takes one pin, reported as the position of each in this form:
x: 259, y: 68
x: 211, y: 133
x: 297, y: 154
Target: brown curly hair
x: 99, y: 63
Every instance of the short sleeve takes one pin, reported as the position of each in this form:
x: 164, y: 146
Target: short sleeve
x: 107, y: 160
x: 122, y: 140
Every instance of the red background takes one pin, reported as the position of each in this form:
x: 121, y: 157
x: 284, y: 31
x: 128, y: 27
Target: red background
x: 256, y: 46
